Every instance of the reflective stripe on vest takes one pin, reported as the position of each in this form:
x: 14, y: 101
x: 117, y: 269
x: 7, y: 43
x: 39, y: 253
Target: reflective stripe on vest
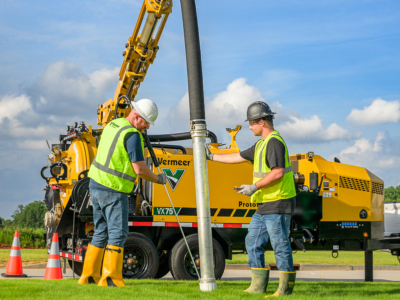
x: 112, y: 166
x: 106, y: 167
x: 262, y: 175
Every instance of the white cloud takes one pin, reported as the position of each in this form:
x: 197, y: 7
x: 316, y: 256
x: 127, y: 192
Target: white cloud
x: 62, y: 95
x: 11, y: 106
x: 230, y: 106
x: 381, y: 156
x: 303, y: 130
x: 64, y: 87
x: 33, y: 145
x: 380, y: 137
x: 14, y: 132
x: 380, y: 111
x: 360, y: 146
x: 228, y: 109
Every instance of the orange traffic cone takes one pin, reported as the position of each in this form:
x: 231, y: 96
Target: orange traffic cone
x: 53, y: 269
x: 14, y: 264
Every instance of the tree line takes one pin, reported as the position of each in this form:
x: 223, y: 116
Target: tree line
x: 392, y: 194
x: 29, y: 216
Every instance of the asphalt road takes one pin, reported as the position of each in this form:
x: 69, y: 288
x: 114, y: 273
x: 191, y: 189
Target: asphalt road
x: 379, y: 276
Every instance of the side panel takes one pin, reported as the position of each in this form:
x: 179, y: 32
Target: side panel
x: 354, y: 192
x: 227, y: 206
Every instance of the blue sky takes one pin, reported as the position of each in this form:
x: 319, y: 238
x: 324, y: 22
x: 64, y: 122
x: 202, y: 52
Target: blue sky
x: 330, y: 69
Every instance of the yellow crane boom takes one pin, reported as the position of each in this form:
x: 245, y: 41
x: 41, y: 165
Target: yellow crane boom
x: 140, y: 51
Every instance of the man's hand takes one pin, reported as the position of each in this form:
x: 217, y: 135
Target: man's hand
x: 162, y: 178
x: 209, y: 155
x: 248, y: 190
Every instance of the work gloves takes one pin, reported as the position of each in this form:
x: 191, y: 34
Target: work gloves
x: 162, y: 178
x: 248, y: 190
x: 209, y: 155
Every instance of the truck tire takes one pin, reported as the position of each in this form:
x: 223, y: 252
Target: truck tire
x: 139, y: 249
x: 78, y: 267
x: 163, y: 269
x: 180, y: 262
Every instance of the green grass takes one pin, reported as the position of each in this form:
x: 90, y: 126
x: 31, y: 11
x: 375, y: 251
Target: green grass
x: 28, y: 237
x: 325, y: 257
x: 171, y: 290
x: 28, y: 256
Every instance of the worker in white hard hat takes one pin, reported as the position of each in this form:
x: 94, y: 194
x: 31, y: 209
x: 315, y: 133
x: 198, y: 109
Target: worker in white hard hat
x: 118, y: 163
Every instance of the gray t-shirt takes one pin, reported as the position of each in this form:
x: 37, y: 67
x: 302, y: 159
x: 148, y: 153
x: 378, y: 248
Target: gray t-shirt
x: 275, y: 157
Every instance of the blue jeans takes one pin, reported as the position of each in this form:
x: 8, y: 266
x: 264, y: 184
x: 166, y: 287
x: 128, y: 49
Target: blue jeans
x: 276, y: 228
x: 110, y: 216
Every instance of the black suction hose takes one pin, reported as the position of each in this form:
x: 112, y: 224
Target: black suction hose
x: 171, y: 137
x: 150, y: 149
x: 179, y: 137
x: 193, y: 61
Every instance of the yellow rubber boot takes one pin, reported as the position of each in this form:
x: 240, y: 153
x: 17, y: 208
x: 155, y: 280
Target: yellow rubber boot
x: 92, y: 265
x: 286, y: 284
x: 259, y: 280
x: 112, y: 267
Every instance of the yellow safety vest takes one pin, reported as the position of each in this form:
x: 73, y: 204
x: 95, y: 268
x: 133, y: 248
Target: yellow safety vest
x: 112, y: 167
x: 284, y: 188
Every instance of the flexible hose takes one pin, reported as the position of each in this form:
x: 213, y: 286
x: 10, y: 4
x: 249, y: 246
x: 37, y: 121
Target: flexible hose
x: 193, y: 61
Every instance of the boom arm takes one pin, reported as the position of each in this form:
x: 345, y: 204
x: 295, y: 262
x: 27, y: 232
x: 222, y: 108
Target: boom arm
x: 140, y: 52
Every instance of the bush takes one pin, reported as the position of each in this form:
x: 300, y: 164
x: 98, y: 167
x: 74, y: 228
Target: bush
x: 28, y: 237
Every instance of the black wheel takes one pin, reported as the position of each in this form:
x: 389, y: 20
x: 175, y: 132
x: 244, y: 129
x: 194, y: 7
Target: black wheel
x: 140, y: 257
x: 180, y: 262
x: 78, y: 267
x: 163, y: 269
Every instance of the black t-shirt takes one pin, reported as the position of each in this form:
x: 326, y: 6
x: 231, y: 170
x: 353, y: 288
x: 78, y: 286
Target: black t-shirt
x: 275, y: 157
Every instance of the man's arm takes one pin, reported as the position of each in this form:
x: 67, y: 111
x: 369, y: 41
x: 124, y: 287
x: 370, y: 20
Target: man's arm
x: 271, y: 178
x: 230, y: 158
x: 276, y: 161
x: 144, y: 172
x: 133, y: 146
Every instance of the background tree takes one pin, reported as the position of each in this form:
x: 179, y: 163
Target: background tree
x: 5, y: 223
x: 392, y: 194
x: 30, y: 216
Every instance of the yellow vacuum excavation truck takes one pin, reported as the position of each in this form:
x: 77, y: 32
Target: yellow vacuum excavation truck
x: 339, y: 206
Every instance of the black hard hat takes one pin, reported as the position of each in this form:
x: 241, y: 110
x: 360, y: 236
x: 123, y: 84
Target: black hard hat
x: 258, y: 110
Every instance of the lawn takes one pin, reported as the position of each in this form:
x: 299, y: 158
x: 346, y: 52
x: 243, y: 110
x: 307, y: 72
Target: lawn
x: 31, y: 256
x: 171, y: 290
x: 325, y: 257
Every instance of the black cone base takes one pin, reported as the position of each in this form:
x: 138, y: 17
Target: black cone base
x: 15, y: 276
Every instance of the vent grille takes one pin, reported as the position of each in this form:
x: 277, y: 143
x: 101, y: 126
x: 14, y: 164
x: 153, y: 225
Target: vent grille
x: 354, y: 184
x: 377, y: 188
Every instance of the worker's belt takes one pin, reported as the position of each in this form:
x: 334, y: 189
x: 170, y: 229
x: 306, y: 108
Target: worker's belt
x: 105, y: 167
x: 261, y: 174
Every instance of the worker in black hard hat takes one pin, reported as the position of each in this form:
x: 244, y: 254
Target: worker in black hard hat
x: 274, y: 191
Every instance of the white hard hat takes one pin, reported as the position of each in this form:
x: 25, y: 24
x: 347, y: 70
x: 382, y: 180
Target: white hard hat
x: 147, y: 109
